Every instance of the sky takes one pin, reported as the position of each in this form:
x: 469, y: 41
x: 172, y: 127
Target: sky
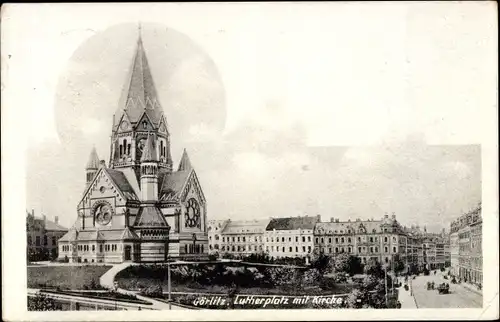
x: 345, y: 110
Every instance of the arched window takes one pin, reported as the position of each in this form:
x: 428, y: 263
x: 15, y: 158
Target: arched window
x: 125, y: 146
x: 128, y: 148
x: 121, y: 150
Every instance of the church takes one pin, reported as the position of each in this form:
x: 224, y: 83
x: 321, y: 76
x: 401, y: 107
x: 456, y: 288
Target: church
x: 138, y: 208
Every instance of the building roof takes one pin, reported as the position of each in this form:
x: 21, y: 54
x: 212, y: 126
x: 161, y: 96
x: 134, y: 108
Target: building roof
x: 149, y: 153
x: 71, y: 235
x: 93, y: 162
x: 185, y: 163
x: 150, y: 216
x: 129, y: 235
x: 96, y: 235
x: 292, y: 223
x: 139, y: 94
x: 52, y: 226
x: 245, y: 226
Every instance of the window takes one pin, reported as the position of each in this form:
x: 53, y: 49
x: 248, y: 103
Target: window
x: 349, y: 239
x: 100, y: 248
x: 267, y: 239
x: 371, y: 249
x: 303, y: 239
x: 233, y: 239
x: 290, y: 249
x: 336, y: 249
x: 350, y: 250
x: 376, y: 249
x: 54, y: 240
x: 272, y: 248
x: 393, y: 249
x: 309, y: 248
x: 336, y: 240
x: 359, y: 250
x: 244, y: 239
x: 371, y: 239
x: 304, y: 249
x: 385, y: 239
x: 283, y: 249
x: 385, y: 250
x: 37, y: 240
x: 282, y: 239
x: 317, y: 240
x: 342, y: 240
x: 359, y: 239
x: 394, y: 239
x: 309, y: 239
x: 238, y: 239
x: 289, y: 239
x: 330, y: 250
x: 376, y: 239
x: 330, y: 240
x: 296, y: 239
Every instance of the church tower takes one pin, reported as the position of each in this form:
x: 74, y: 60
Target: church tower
x: 139, y: 115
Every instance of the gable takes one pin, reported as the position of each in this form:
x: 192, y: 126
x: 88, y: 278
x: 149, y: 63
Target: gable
x: 145, y: 123
x: 124, y: 125
x: 104, y: 186
x: 192, y: 187
x: 162, y: 127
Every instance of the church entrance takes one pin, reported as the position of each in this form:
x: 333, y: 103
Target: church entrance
x: 128, y: 251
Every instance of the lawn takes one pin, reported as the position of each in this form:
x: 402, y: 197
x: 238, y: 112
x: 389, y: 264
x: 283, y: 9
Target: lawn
x: 66, y: 277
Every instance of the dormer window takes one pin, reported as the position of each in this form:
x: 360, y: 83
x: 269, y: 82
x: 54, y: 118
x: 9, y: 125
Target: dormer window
x: 144, y: 125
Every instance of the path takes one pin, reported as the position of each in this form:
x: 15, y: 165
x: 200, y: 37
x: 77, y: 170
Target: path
x: 459, y: 297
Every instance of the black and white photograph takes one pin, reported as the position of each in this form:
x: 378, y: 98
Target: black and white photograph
x: 252, y: 158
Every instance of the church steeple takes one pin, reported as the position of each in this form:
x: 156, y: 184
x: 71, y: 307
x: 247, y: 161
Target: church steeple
x: 139, y: 113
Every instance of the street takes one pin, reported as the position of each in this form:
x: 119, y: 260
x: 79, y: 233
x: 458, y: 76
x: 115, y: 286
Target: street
x: 459, y: 296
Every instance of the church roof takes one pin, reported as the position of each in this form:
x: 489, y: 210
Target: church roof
x: 122, y: 183
x: 71, y: 235
x: 93, y: 162
x: 172, y: 183
x: 149, y: 153
x: 185, y: 163
x: 139, y: 93
x: 128, y: 234
x: 150, y: 216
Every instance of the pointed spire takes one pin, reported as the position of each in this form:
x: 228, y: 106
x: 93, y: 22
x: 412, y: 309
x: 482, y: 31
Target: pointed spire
x: 139, y: 92
x: 185, y: 163
x: 149, y: 153
x: 94, y: 161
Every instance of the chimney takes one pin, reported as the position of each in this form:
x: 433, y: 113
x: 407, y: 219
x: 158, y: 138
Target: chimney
x: 386, y: 216
x: 56, y: 219
x: 337, y: 220
x: 394, y: 216
x: 102, y: 164
x: 332, y: 219
x: 44, y: 218
x: 33, y: 212
x: 349, y: 220
x: 319, y: 217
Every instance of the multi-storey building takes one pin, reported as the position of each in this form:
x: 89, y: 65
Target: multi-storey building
x: 243, y: 237
x: 466, y: 247
x: 214, y: 230
x: 290, y: 237
x: 379, y: 240
x: 42, y: 236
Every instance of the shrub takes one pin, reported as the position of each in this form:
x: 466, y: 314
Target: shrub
x: 153, y: 291
x: 42, y: 303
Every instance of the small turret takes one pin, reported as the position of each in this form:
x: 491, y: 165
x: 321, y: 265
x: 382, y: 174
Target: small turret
x: 149, y: 171
x: 93, y: 165
x: 185, y: 163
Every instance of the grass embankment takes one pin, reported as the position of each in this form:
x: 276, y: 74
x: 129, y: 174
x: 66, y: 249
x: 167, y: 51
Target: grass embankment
x: 66, y: 277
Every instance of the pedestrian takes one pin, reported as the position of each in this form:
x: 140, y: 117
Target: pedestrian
x: 398, y: 305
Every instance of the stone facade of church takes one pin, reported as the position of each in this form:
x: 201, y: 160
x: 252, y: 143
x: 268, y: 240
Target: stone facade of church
x: 138, y: 208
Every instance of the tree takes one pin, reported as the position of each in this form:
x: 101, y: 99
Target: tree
x: 321, y: 263
x: 374, y: 268
x: 398, y: 265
